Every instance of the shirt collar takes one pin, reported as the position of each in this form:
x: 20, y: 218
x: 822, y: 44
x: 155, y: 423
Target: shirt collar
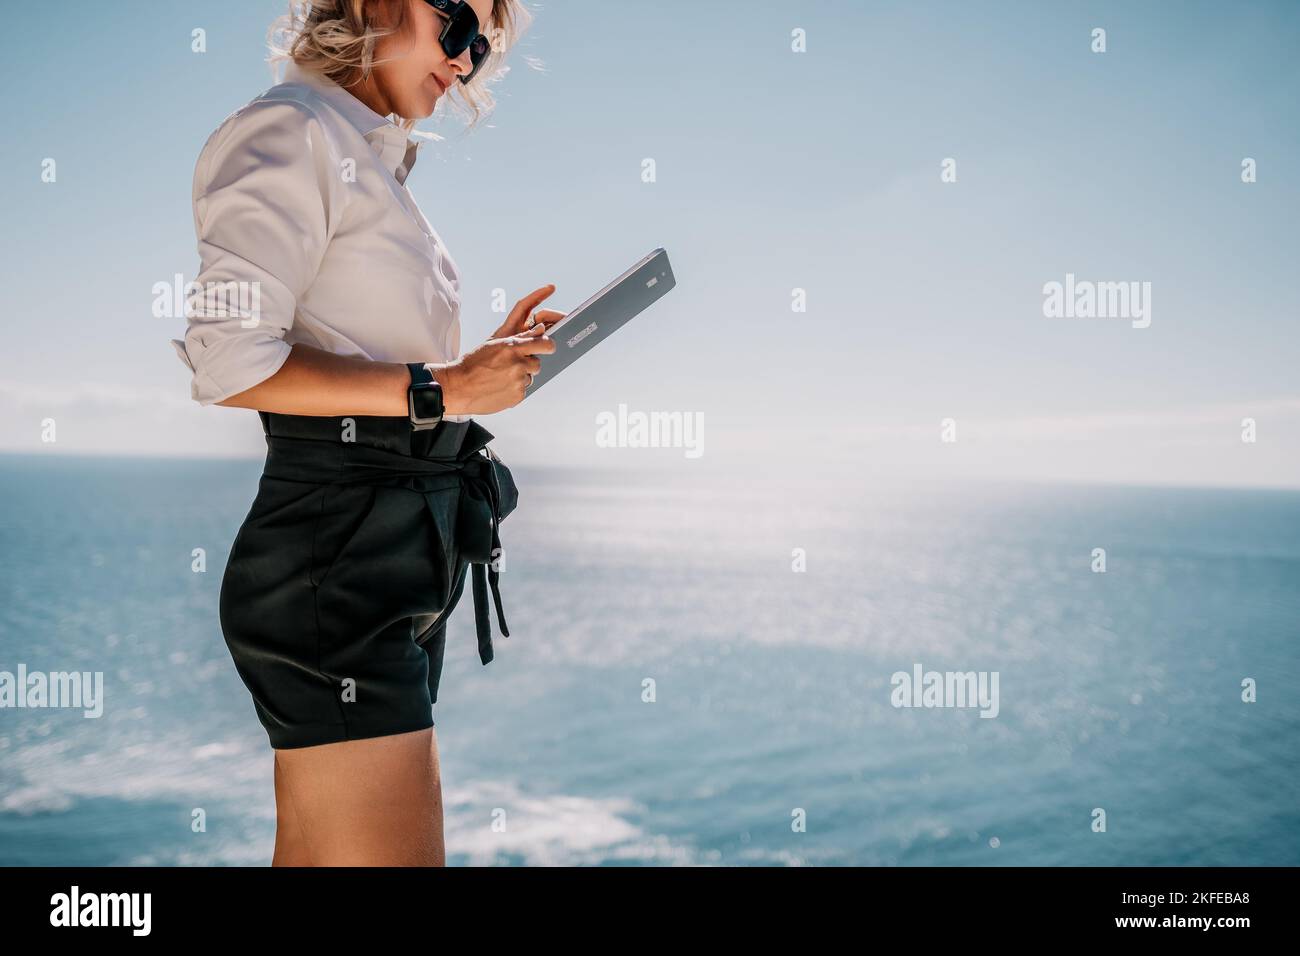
x: 395, y: 149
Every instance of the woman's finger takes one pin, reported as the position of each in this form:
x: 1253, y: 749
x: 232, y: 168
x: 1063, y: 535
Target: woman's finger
x: 523, y: 308
x: 537, y: 330
x: 549, y: 316
x: 534, y: 344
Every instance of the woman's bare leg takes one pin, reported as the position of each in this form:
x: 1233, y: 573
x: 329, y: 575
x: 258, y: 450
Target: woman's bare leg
x: 290, y: 846
x: 372, y: 802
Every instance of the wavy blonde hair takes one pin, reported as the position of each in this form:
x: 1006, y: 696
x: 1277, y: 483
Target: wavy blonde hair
x: 337, y: 38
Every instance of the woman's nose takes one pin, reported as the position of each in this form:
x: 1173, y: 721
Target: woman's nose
x: 462, y: 64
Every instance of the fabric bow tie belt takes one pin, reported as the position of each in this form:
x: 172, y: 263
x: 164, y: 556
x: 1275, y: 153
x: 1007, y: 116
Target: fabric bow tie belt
x: 489, y: 494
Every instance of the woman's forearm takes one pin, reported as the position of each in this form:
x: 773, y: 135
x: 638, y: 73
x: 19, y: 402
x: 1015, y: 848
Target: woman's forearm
x: 315, y: 382
x: 488, y: 379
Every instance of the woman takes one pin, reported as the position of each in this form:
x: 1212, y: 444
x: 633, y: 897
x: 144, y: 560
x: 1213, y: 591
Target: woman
x: 377, y: 492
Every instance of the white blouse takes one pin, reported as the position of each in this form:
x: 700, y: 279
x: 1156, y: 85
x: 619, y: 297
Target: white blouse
x: 300, y: 199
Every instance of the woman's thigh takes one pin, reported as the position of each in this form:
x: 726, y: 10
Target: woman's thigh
x: 370, y: 802
x: 290, y: 850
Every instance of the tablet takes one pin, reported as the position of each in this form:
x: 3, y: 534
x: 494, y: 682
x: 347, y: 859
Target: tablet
x: 605, y: 313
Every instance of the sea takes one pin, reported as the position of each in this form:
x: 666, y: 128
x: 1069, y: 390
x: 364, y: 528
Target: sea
x: 703, y: 670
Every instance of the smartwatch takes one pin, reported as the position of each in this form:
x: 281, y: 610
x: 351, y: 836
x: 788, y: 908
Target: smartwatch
x: 423, y: 398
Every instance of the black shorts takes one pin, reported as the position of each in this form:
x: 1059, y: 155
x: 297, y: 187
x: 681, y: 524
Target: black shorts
x: 335, y: 599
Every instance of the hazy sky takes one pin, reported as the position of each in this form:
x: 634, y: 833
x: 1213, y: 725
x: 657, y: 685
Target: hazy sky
x: 776, y: 170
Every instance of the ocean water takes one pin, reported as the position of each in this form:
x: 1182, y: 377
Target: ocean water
x: 772, y: 688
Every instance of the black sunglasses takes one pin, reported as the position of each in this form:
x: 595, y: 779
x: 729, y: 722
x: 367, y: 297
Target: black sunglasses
x: 461, y: 33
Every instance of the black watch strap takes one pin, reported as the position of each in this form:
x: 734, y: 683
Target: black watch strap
x: 420, y: 372
x: 424, y: 397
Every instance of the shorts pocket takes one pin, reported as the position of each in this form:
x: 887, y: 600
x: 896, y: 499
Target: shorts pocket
x: 438, y: 623
x: 443, y: 508
x: 344, y: 509
x: 378, y: 556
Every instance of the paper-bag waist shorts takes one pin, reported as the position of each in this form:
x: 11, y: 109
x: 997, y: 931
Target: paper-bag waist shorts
x: 335, y: 599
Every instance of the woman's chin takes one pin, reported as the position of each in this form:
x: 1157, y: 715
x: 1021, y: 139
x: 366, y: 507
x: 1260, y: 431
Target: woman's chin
x: 423, y: 106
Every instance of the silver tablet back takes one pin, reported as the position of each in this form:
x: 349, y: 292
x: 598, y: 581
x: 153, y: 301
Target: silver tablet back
x: 604, y: 313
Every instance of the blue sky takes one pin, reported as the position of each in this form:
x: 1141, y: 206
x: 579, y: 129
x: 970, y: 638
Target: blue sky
x: 776, y: 170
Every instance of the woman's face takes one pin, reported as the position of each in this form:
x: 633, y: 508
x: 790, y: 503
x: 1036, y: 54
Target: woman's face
x: 417, y: 70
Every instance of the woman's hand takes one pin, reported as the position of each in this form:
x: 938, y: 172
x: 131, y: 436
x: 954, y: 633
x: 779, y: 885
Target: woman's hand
x: 496, y: 375
x: 522, y: 316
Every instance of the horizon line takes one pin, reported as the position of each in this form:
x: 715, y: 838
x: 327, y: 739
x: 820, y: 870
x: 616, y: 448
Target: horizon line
x: 661, y: 468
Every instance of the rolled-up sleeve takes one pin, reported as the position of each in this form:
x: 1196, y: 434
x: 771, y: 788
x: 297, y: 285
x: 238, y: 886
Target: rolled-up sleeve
x: 268, y: 196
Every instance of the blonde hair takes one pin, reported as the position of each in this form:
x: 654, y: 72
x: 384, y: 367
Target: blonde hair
x: 337, y: 38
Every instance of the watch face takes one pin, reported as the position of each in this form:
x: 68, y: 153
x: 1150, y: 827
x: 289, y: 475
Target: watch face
x: 426, y: 402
